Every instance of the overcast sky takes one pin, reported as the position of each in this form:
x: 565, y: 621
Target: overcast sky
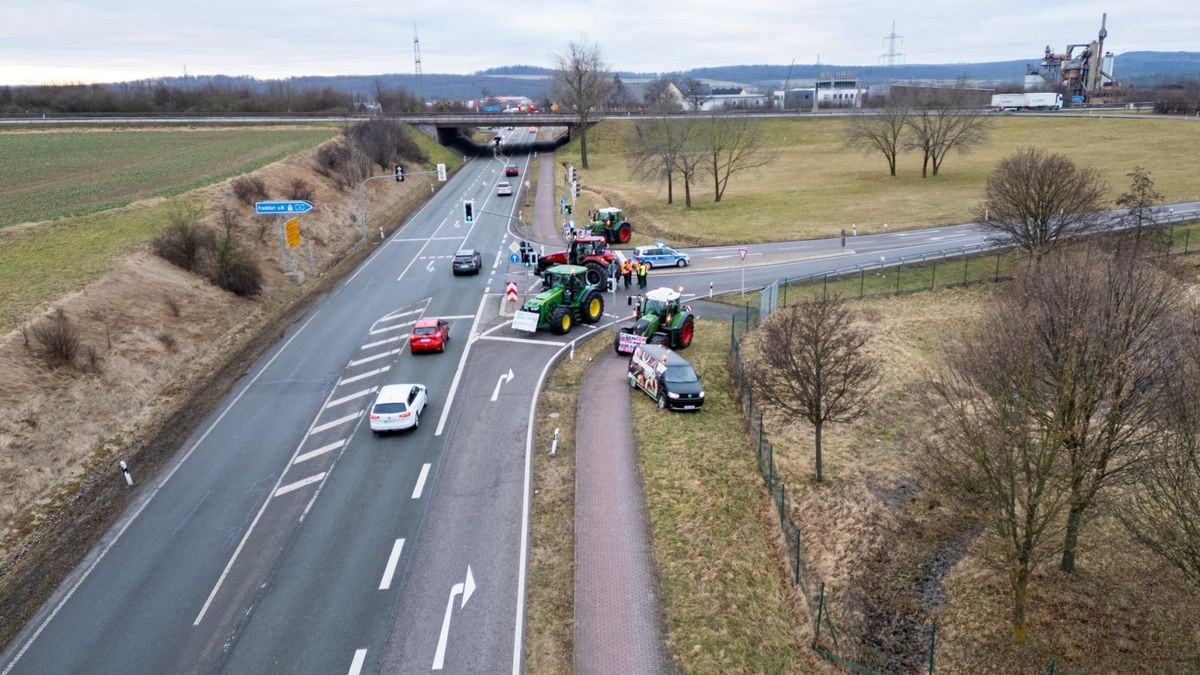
x: 60, y: 41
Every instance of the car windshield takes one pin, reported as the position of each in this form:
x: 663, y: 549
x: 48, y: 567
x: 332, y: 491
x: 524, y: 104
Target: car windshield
x: 389, y: 408
x: 682, y: 373
x: 425, y: 330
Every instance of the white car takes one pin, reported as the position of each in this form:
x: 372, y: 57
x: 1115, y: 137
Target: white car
x: 398, y: 406
x: 504, y: 188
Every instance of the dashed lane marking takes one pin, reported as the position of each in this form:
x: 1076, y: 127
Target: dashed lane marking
x: 319, y: 451
x: 299, y: 484
x: 356, y: 666
x: 421, y: 482
x: 390, y: 570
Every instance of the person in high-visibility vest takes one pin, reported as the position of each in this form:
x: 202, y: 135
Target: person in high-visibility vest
x: 643, y: 269
x: 627, y: 272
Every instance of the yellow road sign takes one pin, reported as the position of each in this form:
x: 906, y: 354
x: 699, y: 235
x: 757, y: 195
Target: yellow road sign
x: 513, y: 247
x: 292, y: 228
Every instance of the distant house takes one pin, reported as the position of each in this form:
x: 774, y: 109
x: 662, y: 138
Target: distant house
x: 638, y: 90
x: 739, y: 100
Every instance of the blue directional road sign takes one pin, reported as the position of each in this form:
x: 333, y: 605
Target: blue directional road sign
x: 290, y: 206
x: 514, y: 258
x: 562, y: 202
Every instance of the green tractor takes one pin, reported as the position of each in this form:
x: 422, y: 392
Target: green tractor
x: 611, y: 224
x: 567, y: 298
x: 661, y: 319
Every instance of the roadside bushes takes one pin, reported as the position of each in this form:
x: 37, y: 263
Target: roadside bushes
x: 249, y: 189
x: 187, y: 242
x: 56, y: 339
x: 380, y: 142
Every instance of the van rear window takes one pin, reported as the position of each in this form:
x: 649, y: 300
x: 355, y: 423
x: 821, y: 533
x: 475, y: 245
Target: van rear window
x: 389, y: 408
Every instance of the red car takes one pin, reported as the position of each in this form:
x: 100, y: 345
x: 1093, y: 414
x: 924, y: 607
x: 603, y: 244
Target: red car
x: 511, y: 170
x: 429, y: 335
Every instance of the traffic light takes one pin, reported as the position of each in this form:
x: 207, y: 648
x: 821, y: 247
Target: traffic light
x: 568, y: 209
x: 469, y: 211
x: 399, y: 173
x: 577, y: 188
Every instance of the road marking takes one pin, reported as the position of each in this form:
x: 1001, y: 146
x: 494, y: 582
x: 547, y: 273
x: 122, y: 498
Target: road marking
x: 319, y: 451
x: 351, y: 397
x: 372, y: 345
x: 421, y: 482
x: 429, y: 267
x: 338, y: 422
x: 464, y: 589
x: 505, y: 378
x: 462, y: 362
x: 420, y: 252
x: 142, y: 507
x: 399, y: 326
x: 363, y: 376
x: 356, y: 665
x: 374, y: 357
x: 457, y: 317
x: 523, y: 340
x: 430, y: 238
x: 391, y: 317
x: 390, y: 570
x: 299, y: 484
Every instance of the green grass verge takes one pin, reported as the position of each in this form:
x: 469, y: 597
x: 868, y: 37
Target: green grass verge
x: 816, y: 187
x: 725, y: 600
x: 57, y: 174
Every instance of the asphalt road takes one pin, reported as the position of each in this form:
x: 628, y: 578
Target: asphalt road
x: 287, y: 538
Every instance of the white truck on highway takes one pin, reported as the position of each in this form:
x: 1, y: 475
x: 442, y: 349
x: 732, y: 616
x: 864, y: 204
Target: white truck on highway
x: 1028, y: 101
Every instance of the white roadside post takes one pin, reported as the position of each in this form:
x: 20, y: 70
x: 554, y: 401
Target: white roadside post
x: 125, y: 472
x: 742, y: 252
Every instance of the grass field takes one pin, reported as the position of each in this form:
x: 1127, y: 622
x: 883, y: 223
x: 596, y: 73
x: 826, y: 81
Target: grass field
x: 725, y: 600
x: 815, y: 187
x: 56, y: 174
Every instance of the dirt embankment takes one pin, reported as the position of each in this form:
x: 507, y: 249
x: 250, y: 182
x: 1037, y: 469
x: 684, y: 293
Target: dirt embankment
x: 168, y: 345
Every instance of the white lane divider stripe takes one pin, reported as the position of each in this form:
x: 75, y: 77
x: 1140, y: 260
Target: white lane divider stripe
x: 421, y: 482
x: 319, y: 451
x: 399, y: 326
x: 457, y: 316
x: 356, y: 666
x: 390, y: 571
x: 393, y: 317
x: 351, y: 397
x: 299, y: 484
x: 375, y: 357
x: 372, y: 345
x: 338, y: 422
x: 363, y: 376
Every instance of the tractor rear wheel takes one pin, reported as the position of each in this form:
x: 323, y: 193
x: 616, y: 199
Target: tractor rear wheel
x: 593, y: 307
x: 686, y: 331
x: 624, y: 234
x: 560, y: 320
x: 595, y: 274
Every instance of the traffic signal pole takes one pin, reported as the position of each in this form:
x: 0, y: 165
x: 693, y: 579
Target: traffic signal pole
x: 397, y: 176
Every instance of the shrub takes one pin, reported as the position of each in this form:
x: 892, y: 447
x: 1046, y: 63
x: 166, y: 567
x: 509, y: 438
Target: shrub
x: 172, y: 305
x: 300, y: 189
x: 91, y: 358
x: 344, y: 163
x: 185, y: 240
x: 56, y: 339
x: 234, y: 269
x: 167, y: 341
x: 384, y: 142
x: 249, y: 189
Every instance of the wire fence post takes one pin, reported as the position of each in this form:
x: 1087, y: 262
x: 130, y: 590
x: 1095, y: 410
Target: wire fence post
x: 996, y: 276
x: 862, y: 280
x: 1187, y: 234
x: 933, y: 277
x: 797, y: 565
x: 785, y: 285
x: 932, y: 645
x: 898, y: 271
x: 825, y: 286
x: 782, y: 503
x: 1053, y: 664
x: 966, y: 261
x: 820, y: 613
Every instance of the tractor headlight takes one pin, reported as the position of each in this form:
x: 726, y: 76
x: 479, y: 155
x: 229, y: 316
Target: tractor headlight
x: 671, y: 394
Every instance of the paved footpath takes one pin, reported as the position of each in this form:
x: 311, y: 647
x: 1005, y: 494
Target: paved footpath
x: 547, y: 226
x: 618, y: 625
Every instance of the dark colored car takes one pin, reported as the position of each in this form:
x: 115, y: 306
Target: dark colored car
x: 666, y: 377
x: 511, y: 170
x: 467, y: 261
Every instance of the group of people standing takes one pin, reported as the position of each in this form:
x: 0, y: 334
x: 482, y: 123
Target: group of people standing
x: 631, y: 267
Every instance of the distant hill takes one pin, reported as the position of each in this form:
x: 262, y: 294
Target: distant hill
x: 533, y: 81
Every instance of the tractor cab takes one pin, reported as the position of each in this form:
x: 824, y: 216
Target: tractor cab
x: 586, y: 247
x: 662, y: 302
x: 570, y: 278
x: 608, y: 216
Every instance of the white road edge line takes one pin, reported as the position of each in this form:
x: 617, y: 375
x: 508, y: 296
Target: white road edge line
x: 519, y: 623
x: 356, y: 666
x: 299, y: 484
x: 421, y: 481
x: 390, y: 570
x: 462, y: 362
x: 146, y: 502
x: 319, y: 451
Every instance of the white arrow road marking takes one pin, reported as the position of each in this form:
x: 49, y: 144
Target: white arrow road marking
x: 390, y: 571
x: 429, y: 267
x: 421, y: 482
x: 465, y: 589
x: 299, y: 484
x: 504, y: 379
x: 356, y: 665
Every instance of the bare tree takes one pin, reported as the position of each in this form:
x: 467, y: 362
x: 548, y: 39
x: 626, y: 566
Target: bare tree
x: 1164, y: 512
x: 881, y: 131
x: 658, y: 96
x: 1141, y: 200
x: 695, y: 93
x: 581, y: 83
x: 398, y: 100
x: 993, y: 454
x: 654, y: 150
x: 943, y: 122
x: 689, y: 159
x: 731, y: 146
x: 812, y: 363
x: 619, y: 97
x: 1038, y: 200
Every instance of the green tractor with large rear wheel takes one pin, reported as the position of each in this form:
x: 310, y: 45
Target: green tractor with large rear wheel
x: 567, y: 298
x: 661, y: 318
x: 610, y: 223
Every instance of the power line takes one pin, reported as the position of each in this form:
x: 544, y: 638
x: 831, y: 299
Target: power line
x: 891, y: 53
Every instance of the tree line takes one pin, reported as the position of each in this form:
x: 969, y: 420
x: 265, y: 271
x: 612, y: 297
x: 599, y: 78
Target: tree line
x: 1076, y: 388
